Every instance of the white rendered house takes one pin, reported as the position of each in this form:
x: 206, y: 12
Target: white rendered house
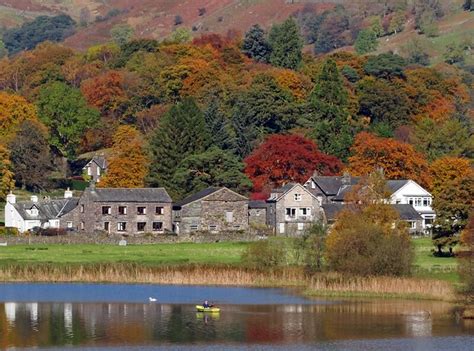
x: 410, y: 192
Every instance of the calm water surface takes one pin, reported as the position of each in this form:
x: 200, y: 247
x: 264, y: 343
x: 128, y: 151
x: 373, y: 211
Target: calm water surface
x: 111, y: 317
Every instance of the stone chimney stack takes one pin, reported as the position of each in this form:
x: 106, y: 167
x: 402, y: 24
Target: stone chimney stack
x: 34, y: 198
x: 11, y: 198
x: 346, y: 178
x: 68, y: 194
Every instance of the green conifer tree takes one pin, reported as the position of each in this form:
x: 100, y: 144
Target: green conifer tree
x: 286, y: 43
x: 366, y: 41
x: 255, y: 44
x: 182, y: 132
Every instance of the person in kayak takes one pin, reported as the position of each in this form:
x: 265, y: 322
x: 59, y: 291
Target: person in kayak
x: 206, y: 304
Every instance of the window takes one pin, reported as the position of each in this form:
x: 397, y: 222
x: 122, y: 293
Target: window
x: 141, y: 226
x: 428, y: 220
x: 426, y: 201
x: 313, y: 185
x: 193, y: 227
x: 98, y: 171
x: 141, y: 210
x: 298, y: 197
x: 69, y: 224
x: 229, y: 216
x: 82, y: 208
x: 398, y: 201
x: 122, y: 210
x: 157, y: 226
x: 89, y: 171
x: 412, y: 224
x: 213, y: 228
x: 177, y: 214
x: 305, y: 212
x: 159, y: 210
x: 82, y: 225
x: 106, y: 210
x: 418, y: 202
x: 300, y: 226
x: 34, y: 211
x: 291, y: 212
x: 122, y: 226
x: 106, y: 226
x: 410, y: 201
x: 236, y: 227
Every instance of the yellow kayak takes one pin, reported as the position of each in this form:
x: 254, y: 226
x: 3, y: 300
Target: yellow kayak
x: 201, y: 308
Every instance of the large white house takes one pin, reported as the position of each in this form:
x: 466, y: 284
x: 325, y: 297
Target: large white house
x: 45, y: 213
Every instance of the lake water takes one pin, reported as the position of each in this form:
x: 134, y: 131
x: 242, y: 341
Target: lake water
x: 114, y: 316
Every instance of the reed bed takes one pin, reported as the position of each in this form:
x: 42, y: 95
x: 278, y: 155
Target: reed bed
x: 337, y: 285
x: 329, y: 284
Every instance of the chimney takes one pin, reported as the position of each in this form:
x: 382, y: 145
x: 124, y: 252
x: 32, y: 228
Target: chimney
x: 11, y: 198
x: 34, y: 198
x: 68, y: 194
x: 346, y: 178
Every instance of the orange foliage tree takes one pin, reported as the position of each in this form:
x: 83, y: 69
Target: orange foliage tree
x: 14, y: 110
x: 449, y: 170
x: 398, y: 160
x: 128, y: 162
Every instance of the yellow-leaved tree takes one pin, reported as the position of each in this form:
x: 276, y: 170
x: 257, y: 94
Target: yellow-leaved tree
x: 14, y: 110
x: 128, y: 162
x: 6, y: 174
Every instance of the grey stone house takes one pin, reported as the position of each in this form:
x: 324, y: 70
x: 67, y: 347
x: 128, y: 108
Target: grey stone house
x: 212, y: 209
x: 121, y: 211
x: 258, y: 213
x: 96, y: 167
x: 328, y: 188
x: 293, y: 209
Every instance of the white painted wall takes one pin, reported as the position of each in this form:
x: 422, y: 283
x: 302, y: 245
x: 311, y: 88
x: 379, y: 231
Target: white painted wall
x: 13, y: 219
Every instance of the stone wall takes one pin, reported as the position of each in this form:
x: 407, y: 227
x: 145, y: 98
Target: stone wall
x: 146, y: 239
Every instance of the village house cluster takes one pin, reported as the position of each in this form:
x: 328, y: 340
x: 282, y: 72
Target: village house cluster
x: 289, y: 210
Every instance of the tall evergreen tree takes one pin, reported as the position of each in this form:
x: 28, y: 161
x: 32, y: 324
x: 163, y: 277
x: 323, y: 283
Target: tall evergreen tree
x: 329, y: 102
x: 366, y: 41
x: 30, y: 155
x: 287, y: 43
x: 255, y: 44
x: 182, y: 132
x: 217, y: 126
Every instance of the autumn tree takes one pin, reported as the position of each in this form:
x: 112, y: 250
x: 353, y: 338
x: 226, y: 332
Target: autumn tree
x: 453, y: 192
x: 286, y: 43
x: 182, y: 132
x: 287, y: 158
x: 14, y: 110
x: 466, y: 262
x: 368, y: 237
x: 213, y: 167
x: 30, y: 155
x: 255, y: 45
x: 64, y: 111
x: 398, y: 160
x: 6, y: 175
x: 127, y: 166
x: 329, y: 119
x: 121, y: 33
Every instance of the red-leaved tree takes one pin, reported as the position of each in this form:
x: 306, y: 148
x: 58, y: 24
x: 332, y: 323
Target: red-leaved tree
x: 286, y: 158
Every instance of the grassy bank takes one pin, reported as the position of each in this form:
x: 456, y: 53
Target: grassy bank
x: 213, y: 264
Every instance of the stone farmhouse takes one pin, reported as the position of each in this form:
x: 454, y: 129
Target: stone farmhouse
x: 121, y: 211
x: 212, y: 209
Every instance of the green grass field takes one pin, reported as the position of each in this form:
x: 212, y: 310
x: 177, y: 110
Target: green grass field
x: 426, y: 265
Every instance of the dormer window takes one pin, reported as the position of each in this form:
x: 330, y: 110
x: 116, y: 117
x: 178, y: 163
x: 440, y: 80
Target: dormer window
x: 33, y: 211
x: 298, y: 197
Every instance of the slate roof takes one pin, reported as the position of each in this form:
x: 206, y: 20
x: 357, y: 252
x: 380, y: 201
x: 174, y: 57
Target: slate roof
x: 100, y: 160
x: 330, y: 185
x: 47, y: 209
x: 257, y: 204
x: 395, y: 185
x: 284, y: 188
x: 197, y: 196
x: 130, y: 195
x: 331, y: 210
x: 407, y: 212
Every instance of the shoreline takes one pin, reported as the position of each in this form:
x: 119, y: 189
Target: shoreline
x: 331, y: 285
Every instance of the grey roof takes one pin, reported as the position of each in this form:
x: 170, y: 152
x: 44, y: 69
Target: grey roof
x: 343, y: 191
x: 395, y: 185
x: 257, y: 204
x: 130, y: 195
x: 284, y: 188
x: 330, y: 185
x: 197, y: 196
x: 407, y: 212
x: 47, y: 209
x: 331, y: 210
x: 100, y: 160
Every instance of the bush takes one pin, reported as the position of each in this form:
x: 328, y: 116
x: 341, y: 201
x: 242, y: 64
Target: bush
x: 370, y: 242
x: 265, y: 253
x: 51, y: 231
x: 310, y: 248
x: 9, y: 231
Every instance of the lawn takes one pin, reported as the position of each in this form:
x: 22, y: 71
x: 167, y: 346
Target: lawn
x: 429, y: 266
x: 183, y: 253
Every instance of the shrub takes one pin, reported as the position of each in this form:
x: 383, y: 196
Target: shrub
x: 9, y: 231
x: 310, y: 248
x: 51, y: 231
x: 265, y: 253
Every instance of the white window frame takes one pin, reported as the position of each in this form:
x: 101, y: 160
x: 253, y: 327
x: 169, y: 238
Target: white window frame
x: 153, y: 227
x: 121, y: 226
x: 159, y: 210
x: 69, y: 224
x: 109, y: 210
x: 194, y: 227
x: 298, y: 197
x: 213, y: 228
x: 300, y: 226
x: 144, y: 227
x: 124, y: 210
x: 229, y: 216
x: 89, y: 171
x: 144, y: 210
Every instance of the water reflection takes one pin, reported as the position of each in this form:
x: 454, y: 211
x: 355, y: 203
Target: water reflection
x: 104, y: 324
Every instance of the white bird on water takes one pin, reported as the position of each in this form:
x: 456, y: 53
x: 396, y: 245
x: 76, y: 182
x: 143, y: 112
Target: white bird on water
x: 152, y: 299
